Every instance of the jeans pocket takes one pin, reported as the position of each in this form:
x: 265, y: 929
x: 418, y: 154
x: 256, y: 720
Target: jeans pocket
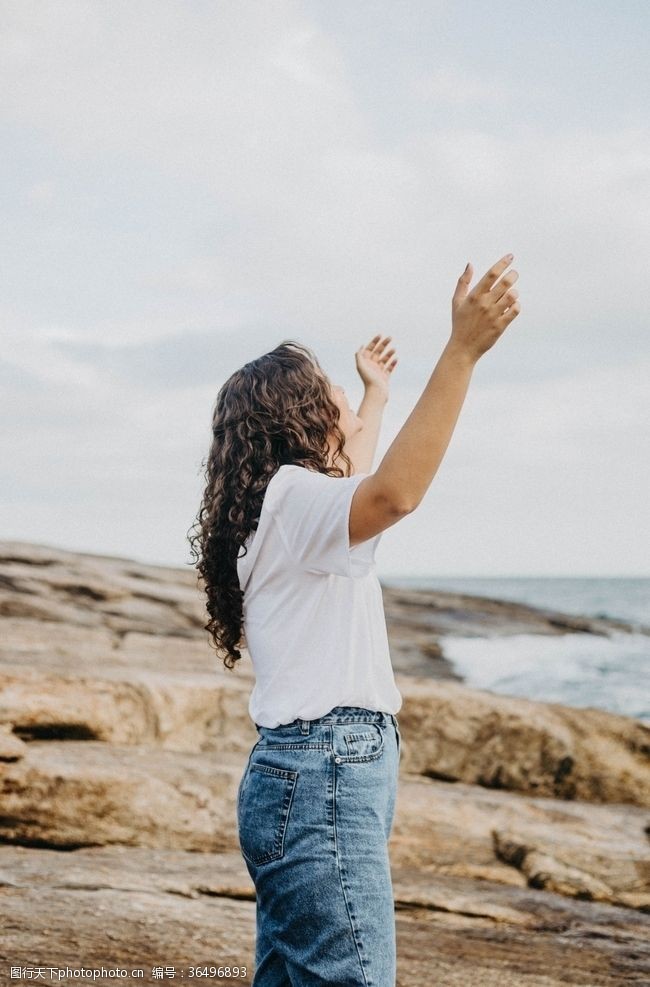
x: 263, y: 807
x: 363, y: 742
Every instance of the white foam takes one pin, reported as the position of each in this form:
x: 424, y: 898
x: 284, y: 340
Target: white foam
x: 610, y: 672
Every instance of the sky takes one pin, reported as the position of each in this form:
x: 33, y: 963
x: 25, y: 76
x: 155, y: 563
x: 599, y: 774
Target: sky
x: 187, y: 183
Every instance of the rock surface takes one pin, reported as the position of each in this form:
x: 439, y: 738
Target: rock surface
x: 520, y: 849
x: 134, y: 907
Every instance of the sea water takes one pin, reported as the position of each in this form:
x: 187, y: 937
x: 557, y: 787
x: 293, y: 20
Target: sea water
x: 578, y: 669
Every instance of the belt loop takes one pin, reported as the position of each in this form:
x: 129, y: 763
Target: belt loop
x: 304, y: 726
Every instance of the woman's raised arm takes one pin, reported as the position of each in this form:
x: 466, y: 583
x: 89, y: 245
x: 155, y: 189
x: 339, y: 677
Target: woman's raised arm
x: 404, y: 475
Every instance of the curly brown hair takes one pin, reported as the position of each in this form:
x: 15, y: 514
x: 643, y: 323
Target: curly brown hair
x: 275, y: 410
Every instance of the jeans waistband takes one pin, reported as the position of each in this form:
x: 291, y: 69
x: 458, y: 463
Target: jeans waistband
x: 346, y: 714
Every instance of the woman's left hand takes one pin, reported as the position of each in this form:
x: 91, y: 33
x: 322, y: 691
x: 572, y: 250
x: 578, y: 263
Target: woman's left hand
x: 375, y: 365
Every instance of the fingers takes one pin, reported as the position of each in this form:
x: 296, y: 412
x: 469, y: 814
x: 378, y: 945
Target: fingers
x: 462, y: 285
x: 507, y: 317
x: 490, y: 277
x: 376, y: 351
x: 374, y: 342
x: 503, y: 290
x: 376, y: 347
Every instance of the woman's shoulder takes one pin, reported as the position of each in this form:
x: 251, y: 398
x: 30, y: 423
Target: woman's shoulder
x: 291, y: 484
x: 289, y: 474
x: 294, y: 471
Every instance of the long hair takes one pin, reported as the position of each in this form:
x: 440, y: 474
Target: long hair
x: 275, y: 410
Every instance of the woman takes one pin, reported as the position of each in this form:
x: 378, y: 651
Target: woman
x: 287, y: 531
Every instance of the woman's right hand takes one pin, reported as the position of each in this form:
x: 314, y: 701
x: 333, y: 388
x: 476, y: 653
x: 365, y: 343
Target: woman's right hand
x: 480, y: 316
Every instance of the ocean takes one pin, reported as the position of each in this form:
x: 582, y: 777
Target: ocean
x: 611, y: 673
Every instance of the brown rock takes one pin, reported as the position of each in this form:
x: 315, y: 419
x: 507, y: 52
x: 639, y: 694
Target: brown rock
x: 11, y: 747
x: 459, y: 734
x: 69, y: 794
x: 123, y: 738
x: 82, y: 793
x: 119, y: 907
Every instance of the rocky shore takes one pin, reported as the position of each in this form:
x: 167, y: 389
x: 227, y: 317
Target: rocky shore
x: 521, y: 845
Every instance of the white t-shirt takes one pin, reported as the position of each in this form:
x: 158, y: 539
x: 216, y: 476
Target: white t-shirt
x: 313, y: 609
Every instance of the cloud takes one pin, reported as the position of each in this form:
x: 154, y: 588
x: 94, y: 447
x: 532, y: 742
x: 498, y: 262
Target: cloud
x: 450, y: 84
x: 542, y: 476
x: 306, y: 221
x: 192, y: 183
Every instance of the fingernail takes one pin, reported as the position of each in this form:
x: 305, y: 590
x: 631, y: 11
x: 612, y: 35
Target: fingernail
x: 509, y: 256
x: 466, y: 267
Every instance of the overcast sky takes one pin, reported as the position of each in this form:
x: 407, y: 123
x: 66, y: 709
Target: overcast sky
x: 185, y: 184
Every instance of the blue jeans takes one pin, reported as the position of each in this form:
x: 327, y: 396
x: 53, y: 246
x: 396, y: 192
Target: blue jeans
x: 315, y: 810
